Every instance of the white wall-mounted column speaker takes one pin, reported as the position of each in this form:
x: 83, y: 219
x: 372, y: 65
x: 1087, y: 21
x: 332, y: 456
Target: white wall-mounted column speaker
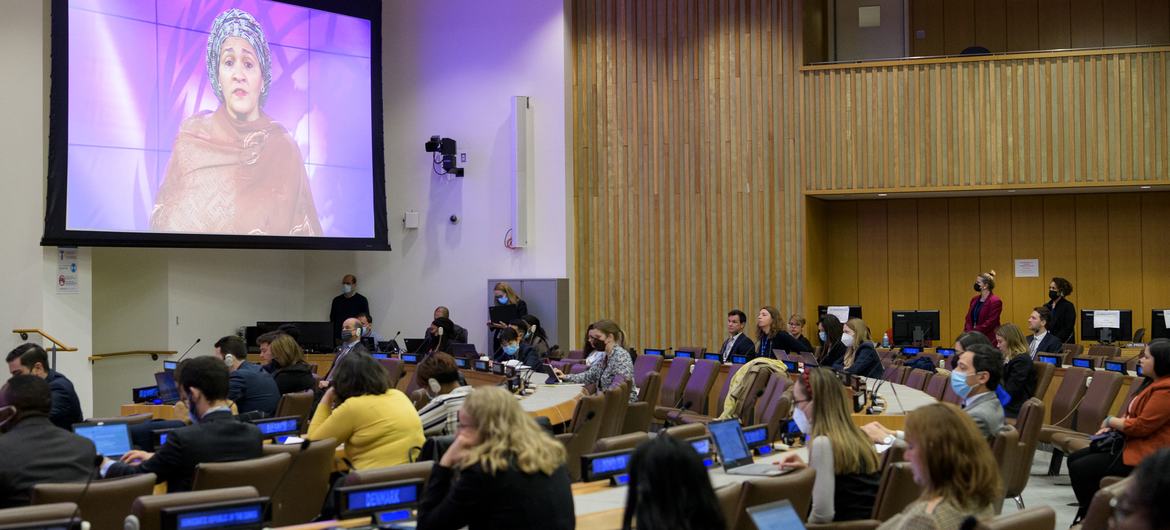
x: 523, y: 172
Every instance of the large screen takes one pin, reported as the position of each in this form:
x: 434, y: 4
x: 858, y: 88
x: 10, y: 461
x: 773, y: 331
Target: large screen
x: 230, y: 123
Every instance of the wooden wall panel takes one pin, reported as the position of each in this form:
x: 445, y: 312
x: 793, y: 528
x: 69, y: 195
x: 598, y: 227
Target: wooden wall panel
x: 1125, y: 254
x: 1023, y: 25
x: 1119, y: 23
x: 843, y: 255
x: 872, y: 261
x: 1056, y: 30
x: 1155, y: 257
x: 927, y: 17
x: 1027, y: 232
x: 963, y: 223
x: 934, y: 265
x: 1085, y: 18
x: 1092, y: 253
x: 991, y: 25
x: 958, y: 25
x: 904, y: 272
x: 1153, y: 21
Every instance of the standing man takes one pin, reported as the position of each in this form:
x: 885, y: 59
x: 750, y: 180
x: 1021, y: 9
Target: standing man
x: 31, y: 359
x: 1041, y: 340
x: 347, y: 304
x: 737, y: 343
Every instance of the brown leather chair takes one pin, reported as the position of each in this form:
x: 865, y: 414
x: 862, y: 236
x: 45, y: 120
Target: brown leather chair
x: 133, y: 419
x: 1104, y: 350
x: 1072, y: 349
x: 105, y: 504
x: 617, y: 400
x: 694, y: 397
x: 937, y: 386
x: 1068, y: 397
x: 639, y: 413
x: 643, y: 365
x: 298, y: 404
x: 895, y: 373
x: 777, y: 409
x: 896, y: 491
x: 687, y: 431
x: 299, y: 497
x: 1042, y: 518
x: 728, y: 496
x: 1100, y: 509
x: 576, y: 354
x: 261, y: 473
x: 148, y: 508
x: 1005, y: 447
x: 1028, y: 424
x: 1092, y: 409
x: 621, y: 441
x: 44, y: 512
x: 795, y: 486
x: 1044, y: 372
x: 412, y: 471
x: 1071, y: 442
x: 896, y: 453
x: 582, y: 432
x: 393, y: 370
x: 674, y: 381
x: 916, y: 379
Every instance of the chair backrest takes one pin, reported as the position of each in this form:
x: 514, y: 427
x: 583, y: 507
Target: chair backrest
x: 133, y: 419
x: 617, y: 399
x: 148, y: 508
x: 896, y: 491
x: 1028, y: 424
x: 916, y: 379
x: 1044, y: 373
x: 585, y: 426
x: 43, y: 512
x: 1134, y: 386
x: 728, y: 496
x: 411, y: 471
x: 937, y: 386
x: 674, y: 382
x: 1005, y: 447
x: 726, y: 387
x: 1100, y: 510
x: 261, y: 473
x: 1139, y: 335
x: 775, y: 411
x: 699, y: 385
x: 298, y: 404
x: 299, y: 497
x: 1068, y: 396
x: 649, y: 393
x: 687, y: 431
x: 1098, y: 398
x: 1105, y: 350
x: 795, y: 486
x: 772, y: 391
x: 892, y: 372
x: 393, y: 370
x: 107, y: 502
x: 949, y: 394
x: 756, y: 389
x: 576, y: 354
x: 621, y: 441
x: 1038, y: 518
x: 1072, y: 349
x: 640, y: 413
x: 645, y: 364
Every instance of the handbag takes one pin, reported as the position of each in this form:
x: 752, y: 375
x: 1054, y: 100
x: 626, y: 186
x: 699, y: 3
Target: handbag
x: 1112, y: 442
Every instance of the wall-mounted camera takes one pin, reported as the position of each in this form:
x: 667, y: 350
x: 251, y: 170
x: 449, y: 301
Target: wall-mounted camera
x: 444, y: 156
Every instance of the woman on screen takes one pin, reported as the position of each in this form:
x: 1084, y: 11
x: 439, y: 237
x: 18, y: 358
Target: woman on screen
x: 235, y: 170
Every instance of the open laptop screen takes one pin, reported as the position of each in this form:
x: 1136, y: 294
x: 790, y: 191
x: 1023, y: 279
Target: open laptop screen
x: 111, y: 439
x: 778, y: 515
x: 168, y: 392
x: 733, y: 450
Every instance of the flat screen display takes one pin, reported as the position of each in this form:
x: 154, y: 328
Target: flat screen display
x: 755, y: 436
x: 222, y: 123
x: 242, y: 515
x: 277, y: 426
x: 111, y: 439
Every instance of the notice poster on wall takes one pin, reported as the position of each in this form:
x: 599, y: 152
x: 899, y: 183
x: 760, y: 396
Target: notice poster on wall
x: 1027, y: 268
x: 67, y: 271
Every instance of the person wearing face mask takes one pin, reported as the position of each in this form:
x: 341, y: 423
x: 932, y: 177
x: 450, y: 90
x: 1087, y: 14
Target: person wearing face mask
x: 249, y: 387
x: 861, y: 357
x: 830, y: 331
x: 616, y: 366
x: 512, y: 348
x: 213, y: 436
x: 770, y: 335
x: 347, y: 305
x: 25, y: 402
x: 847, y: 466
x: 593, y: 351
x: 503, y: 294
x: 351, y: 341
x: 1064, y: 314
x: 983, y: 314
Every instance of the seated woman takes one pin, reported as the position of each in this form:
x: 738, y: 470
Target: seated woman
x: 1019, y: 374
x: 796, y: 329
x: 617, y: 365
x: 511, y: 473
x: 829, y: 330
x: 770, y: 335
x: 291, y: 372
x: 861, y: 357
x: 439, y: 378
x: 848, y: 472
x: 592, y: 353
x: 670, y: 488
x: 1140, y: 506
x: 1145, y: 426
x: 953, y: 463
x: 377, y: 424
x: 512, y: 348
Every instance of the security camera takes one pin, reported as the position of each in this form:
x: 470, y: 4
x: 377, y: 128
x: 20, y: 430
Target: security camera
x: 443, y: 146
x: 444, y: 158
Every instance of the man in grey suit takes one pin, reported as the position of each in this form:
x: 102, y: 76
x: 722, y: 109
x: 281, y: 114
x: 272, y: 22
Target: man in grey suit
x: 34, y: 449
x: 975, y: 380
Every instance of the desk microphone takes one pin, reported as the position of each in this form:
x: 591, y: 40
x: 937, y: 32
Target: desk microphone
x: 197, y: 341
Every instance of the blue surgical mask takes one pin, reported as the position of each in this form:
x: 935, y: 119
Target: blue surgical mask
x: 823, y: 336
x: 502, y: 299
x: 511, y: 349
x: 346, y: 288
x: 959, y: 384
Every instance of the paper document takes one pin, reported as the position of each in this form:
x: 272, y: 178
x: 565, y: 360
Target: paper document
x: 1107, y: 319
x: 1166, y: 317
x: 839, y: 311
x: 1027, y: 268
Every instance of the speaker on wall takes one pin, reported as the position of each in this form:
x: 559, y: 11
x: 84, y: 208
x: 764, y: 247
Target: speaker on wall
x: 523, y: 172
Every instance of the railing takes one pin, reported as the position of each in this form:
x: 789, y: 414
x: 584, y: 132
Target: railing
x: 154, y: 354
x: 57, y: 345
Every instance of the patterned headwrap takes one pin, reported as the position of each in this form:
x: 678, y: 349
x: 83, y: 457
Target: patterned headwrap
x: 237, y: 23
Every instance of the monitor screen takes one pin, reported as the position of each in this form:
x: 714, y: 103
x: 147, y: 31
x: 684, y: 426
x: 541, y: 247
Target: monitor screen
x: 1083, y: 363
x: 1115, y: 366
x: 756, y: 436
x: 462, y: 362
x: 167, y: 391
x: 1050, y: 359
x: 271, y: 427
x: 909, y: 350
x: 146, y: 393
x: 170, y: 365
x: 945, y: 352
x: 237, y: 514
x: 732, y: 447
x: 713, y: 357
x: 608, y: 465
x: 777, y: 515
x: 702, y: 446
x: 684, y: 354
x: 651, y: 351
x: 217, y: 123
x: 410, y: 358
x: 110, y: 439
x: 739, y: 359
x: 482, y: 365
x: 793, y: 366
x: 380, y: 355
x: 382, y: 498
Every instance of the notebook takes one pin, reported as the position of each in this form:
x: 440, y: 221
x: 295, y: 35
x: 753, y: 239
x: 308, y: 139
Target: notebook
x: 733, y: 450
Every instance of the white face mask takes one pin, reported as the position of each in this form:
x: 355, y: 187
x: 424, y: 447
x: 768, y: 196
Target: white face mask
x: 847, y: 340
x: 346, y: 288
x: 801, y: 421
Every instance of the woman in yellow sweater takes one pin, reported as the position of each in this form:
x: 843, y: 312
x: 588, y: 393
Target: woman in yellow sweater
x: 377, y: 424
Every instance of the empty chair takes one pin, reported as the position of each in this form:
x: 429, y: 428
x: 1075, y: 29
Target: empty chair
x: 1090, y: 410
x: 775, y: 410
x: 621, y: 441
x: 896, y: 490
x: 950, y: 396
x: 1028, y: 424
x: 148, y: 508
x: 1071, y: 442
x: 796, y: 487
x: 674, y: 382
x: 1072, y: 349
x: 1044, y: 373
x: 895, y: 373
x: 645, y: 364
x: 298, y: 404
x: 728, y: 496
x: 768, y: 400
x: 1068, y: 396
x: 393, y: 370
x: 43, y: 512
x: 133, y: 419
x: 1104, y: 350
x: 916, y: 379
x: 260, y: 473
x: 694, y: 398
x: 617, y: 400
x: 299, y: 497
x: 1005, y: 447
x: 378, y: 475
x: 682, y: 416
x: 107, y: 502
x: 937, y: 386
x: 726, y: 387
x: 583, y: 431
x: 1043, y: 517
x: 641, y: 412
x: 687, y: 431
x: 1139, y: 335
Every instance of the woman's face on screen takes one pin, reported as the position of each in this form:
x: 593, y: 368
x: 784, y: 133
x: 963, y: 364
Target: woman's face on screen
x: 240, y: 78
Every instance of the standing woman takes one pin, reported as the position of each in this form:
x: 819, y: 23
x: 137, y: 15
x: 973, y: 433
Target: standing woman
x: 770, y: 335
x: 615, y: 367
x: 1019, y: 374
x: 983, y: 315
x: 796, y: 329
x: 1064, y: 313
x: 829, y: 330
x: 861, y: 357
x: 502, y: 294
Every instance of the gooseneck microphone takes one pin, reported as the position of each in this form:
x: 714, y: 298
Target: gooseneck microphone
x: 197, y: 341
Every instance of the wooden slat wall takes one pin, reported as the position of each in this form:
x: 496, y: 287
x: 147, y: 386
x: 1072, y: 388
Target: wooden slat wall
x: 925, y: 253
x: 695, y: 132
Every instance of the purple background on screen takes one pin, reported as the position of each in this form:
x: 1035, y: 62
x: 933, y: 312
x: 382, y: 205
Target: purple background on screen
x: 137, y: 69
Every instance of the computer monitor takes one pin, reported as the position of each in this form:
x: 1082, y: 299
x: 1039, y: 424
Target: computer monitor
x: 1116, y: 366
x: 757, y: 438
x: 685, y: 354
x: 144, y: 394
x: 610, y: 464
x: 739, y: 359
x: 112, y: 440
x: 283, y: 426
x: 385, y: 497
x: 482, y: 365
x: 169, y: 366
x: 713, y: 357
x: 854, y: 311
x: 652, y: 351
x: 462, y: 362
x: 1084, y: 362
x: 915, y: 327
x: 244, y: 514
x: 315, y: 336
x: 1158, y: 324
x: 1109, y: 334
x: 944, y: 352
x: 1055, y: 360
x: 411, y: 358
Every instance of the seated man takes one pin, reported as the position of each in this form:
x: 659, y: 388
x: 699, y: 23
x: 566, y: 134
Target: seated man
x: 439, y: 378
x: 30, y: 359
x: 35, y: 450
x: 367, y: 326
x: 460, y: 333
x: 214, y: 436
x: 250, y: 388
x: 511, y: 348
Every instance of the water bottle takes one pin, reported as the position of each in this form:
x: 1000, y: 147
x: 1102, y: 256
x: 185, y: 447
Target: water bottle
x: 885, y: 340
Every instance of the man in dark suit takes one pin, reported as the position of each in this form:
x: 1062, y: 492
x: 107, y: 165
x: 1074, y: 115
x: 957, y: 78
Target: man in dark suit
x: 737, y: 342
x: 35, y: 450
x: 214, y: 436
x: 460, y: 332
x: 249, y: 387
x: 31, y: 359
x: 1041, y: 340
x: 351, y: 341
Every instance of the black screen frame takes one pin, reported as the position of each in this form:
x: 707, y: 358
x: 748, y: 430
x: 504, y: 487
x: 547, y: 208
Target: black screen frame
x: 57, y: 191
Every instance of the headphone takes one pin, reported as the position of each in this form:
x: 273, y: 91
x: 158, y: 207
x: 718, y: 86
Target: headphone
x: 433, y: 385
x: 229, y: 360
x: 439, y: 333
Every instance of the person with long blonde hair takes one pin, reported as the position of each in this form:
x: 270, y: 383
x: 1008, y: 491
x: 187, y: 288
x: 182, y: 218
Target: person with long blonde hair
x: 953, y: 463
x: 847, y: 466
x: 861, y: 357
x: 511, y: 473
x: 771, y: 335
x: 1019, y: 374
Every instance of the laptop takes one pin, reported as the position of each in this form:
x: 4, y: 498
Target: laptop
x: 734, y: 452
x: 414, y: 345
x: 168, y: 392
x: 503, y: 313
x: 778, y: 515
x: 459, y: 349
x: 112, y: 440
